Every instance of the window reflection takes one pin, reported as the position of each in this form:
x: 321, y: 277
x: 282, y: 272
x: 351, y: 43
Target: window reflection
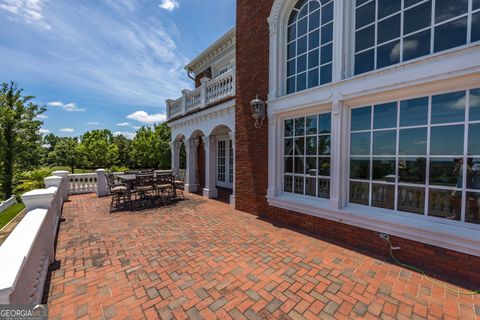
x: 449, y: 107
x: 414, y: 112
x: 472, y: 213
x: 384, y: 142
x: 360, y: 143
x: 473, y: 172
x: 446, y: 172
x: 359, y: 193
x: 361, y: 119
x: 360, y: 168
x: 383, y: 196
x: 445, y: 204
x: 447, y: 140
x: 474, y: 105
x: 384, y: 169
x: 411, y: 199
x: 412, y: 170
x: 451, y: 34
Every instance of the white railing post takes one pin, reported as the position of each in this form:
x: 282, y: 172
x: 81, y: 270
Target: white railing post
x: 65, y: 182
x: 203, y: 92
x: 39, y: 198
x: 184, y: 100
x: 167, y: 105
x: 102, y: 185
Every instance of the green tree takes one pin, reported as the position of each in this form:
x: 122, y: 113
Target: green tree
x: 123, y: 145
x: 67, y: 153
x: 150, y: 148
x: 20, y: 136
x: 99, y: 149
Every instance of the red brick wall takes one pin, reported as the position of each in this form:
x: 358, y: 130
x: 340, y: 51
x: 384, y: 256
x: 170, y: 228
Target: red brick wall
x: 252, y: 160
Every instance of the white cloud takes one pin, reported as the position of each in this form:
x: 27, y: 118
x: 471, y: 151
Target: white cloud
x: 70, y: 107
x: 169, y: 5
x: 44, y: 131
x: 128, y: 135
x: 123, y: 124
x: 93, y: 123
x: 142, y: 116
x: 67, y: 130
x: 42, y: 116
x: 29, y: 11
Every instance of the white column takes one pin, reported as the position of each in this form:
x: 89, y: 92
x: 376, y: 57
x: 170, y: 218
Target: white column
x: 191, y: 149
x: 232, y: 196
x: 65, y: 182
x: 175, y: 147
x: 210, y: 190
x: 338, y: 159
x: 102, y: 185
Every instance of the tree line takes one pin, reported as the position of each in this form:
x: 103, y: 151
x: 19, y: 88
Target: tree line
x: 23, y: 149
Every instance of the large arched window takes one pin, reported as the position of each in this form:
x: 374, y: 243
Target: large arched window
x: 391, y: 31
x: 309, y: 45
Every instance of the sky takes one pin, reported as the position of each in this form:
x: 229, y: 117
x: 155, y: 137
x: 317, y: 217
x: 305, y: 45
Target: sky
x: 105, y: 63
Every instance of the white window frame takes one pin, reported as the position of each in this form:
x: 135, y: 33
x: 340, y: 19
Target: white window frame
x: 226, y: 183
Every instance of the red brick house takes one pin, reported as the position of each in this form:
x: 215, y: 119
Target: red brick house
x: 372, y: 124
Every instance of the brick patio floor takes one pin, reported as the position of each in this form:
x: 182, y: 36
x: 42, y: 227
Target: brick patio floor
x: 203, y: 260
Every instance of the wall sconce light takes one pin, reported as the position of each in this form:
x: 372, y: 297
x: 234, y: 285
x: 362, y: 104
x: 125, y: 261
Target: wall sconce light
x: 258, y: 111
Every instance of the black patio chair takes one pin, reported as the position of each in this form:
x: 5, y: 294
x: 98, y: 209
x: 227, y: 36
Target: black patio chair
x: 119, y: 192
x: 165, y: 187
x: 144, y: 188
x: 179, y: 183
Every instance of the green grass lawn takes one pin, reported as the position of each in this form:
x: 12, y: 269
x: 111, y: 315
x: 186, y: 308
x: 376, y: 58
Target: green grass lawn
x: 7, y: 215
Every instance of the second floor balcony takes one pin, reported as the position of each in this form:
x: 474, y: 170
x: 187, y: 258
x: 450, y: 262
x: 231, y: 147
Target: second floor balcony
x: 210, y: 92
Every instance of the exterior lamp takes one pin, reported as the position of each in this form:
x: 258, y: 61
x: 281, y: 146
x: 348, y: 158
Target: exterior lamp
x: 258, y: 111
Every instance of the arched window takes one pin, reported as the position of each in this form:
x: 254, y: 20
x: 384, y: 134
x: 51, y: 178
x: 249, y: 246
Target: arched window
x: 309, y: 45
x: 392, y: 31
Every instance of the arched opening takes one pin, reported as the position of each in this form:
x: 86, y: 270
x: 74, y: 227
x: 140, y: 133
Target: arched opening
x: 200, y: 160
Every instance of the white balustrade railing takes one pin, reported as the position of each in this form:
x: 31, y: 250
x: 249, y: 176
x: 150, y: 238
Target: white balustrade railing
x: 208, y: 93
x: 7, y: 203
x: 82, y: 183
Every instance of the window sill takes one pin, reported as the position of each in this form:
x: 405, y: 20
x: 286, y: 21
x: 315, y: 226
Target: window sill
x: 453, y: 237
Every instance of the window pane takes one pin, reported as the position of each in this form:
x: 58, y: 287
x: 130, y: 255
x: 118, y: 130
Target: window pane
x: 300, y: 146
x: 287, y: 183
x: 388, y: 7
x: 451, y: 34
x: 365, y: 38
x: 445, y: 204
x: 383, y: 196
x: 300, y: 4
x: 313, y: 6
x: 416, y: 45
x: 324, y: 145
x: 449, y: 107
x: 447, y: 9
x: 311, y: 187
x: 361, y: 119
x: 299, y: 165
x: 325, y: 120
x: 413, y: 141
x: 473, y: 174
x: 360, y: 144
x: 288, y: 147
x: 388, y: 29
x: 474, y: 139
x: 302, y: 45
x: 475, y: 36
x: 412, y: 170
x: 292, y: 49
x: 365, y: 15
x: 384, y: 169
x: 326, y: 74
x: 476, y: 4
x: 384, y: 142
x: 447, y: 140
x: 291, y: 85
x: 474, y: 104
x: 302, y: 63
x: 293, y: 17
x: 300, y: 126
x: 446, y: 172
x: 324, y: 188
x: 291, y: 68
x: 364, y: 61
x: 298, y: 185
x: 359, y: 192
x: 312, y: 124
x: 473, y: 207
x: 292, y: 32
x: 417, y: 18
x: 313, y: 78
x: 302, y: 81
x: 303, y: 12
x: 326, y: 54
x: 288, y: 164
x: 414, y: 112
x: 314, y: 22
x: 313, y: 40
x: 311, y: 166
x: 327, y: 13
x: 311, y: 146
x: 327, y: 33
x: 388, y: 54
x: 288, y: 128
x: 360, y: 2
x: 324, y: 166
x: 385, y: 115
x: 411, y: 199
x: 313, y: 59
x: 360, y: 168
x: 302, y: 27
x: 409, y: 3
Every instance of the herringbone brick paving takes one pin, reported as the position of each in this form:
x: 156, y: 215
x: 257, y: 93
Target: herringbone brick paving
x: 201, y: 259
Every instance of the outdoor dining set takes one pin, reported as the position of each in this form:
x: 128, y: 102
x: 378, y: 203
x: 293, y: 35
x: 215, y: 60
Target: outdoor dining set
x: 137, y: 190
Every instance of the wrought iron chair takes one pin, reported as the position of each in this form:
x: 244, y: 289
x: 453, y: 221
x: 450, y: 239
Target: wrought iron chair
x: 144, y: 187
x: 165, y: 187
x: 119, y: 192
x: 179, y: 183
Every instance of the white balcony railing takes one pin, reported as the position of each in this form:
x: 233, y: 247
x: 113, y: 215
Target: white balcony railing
x: 209, y: 92
x: 82, y: 183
